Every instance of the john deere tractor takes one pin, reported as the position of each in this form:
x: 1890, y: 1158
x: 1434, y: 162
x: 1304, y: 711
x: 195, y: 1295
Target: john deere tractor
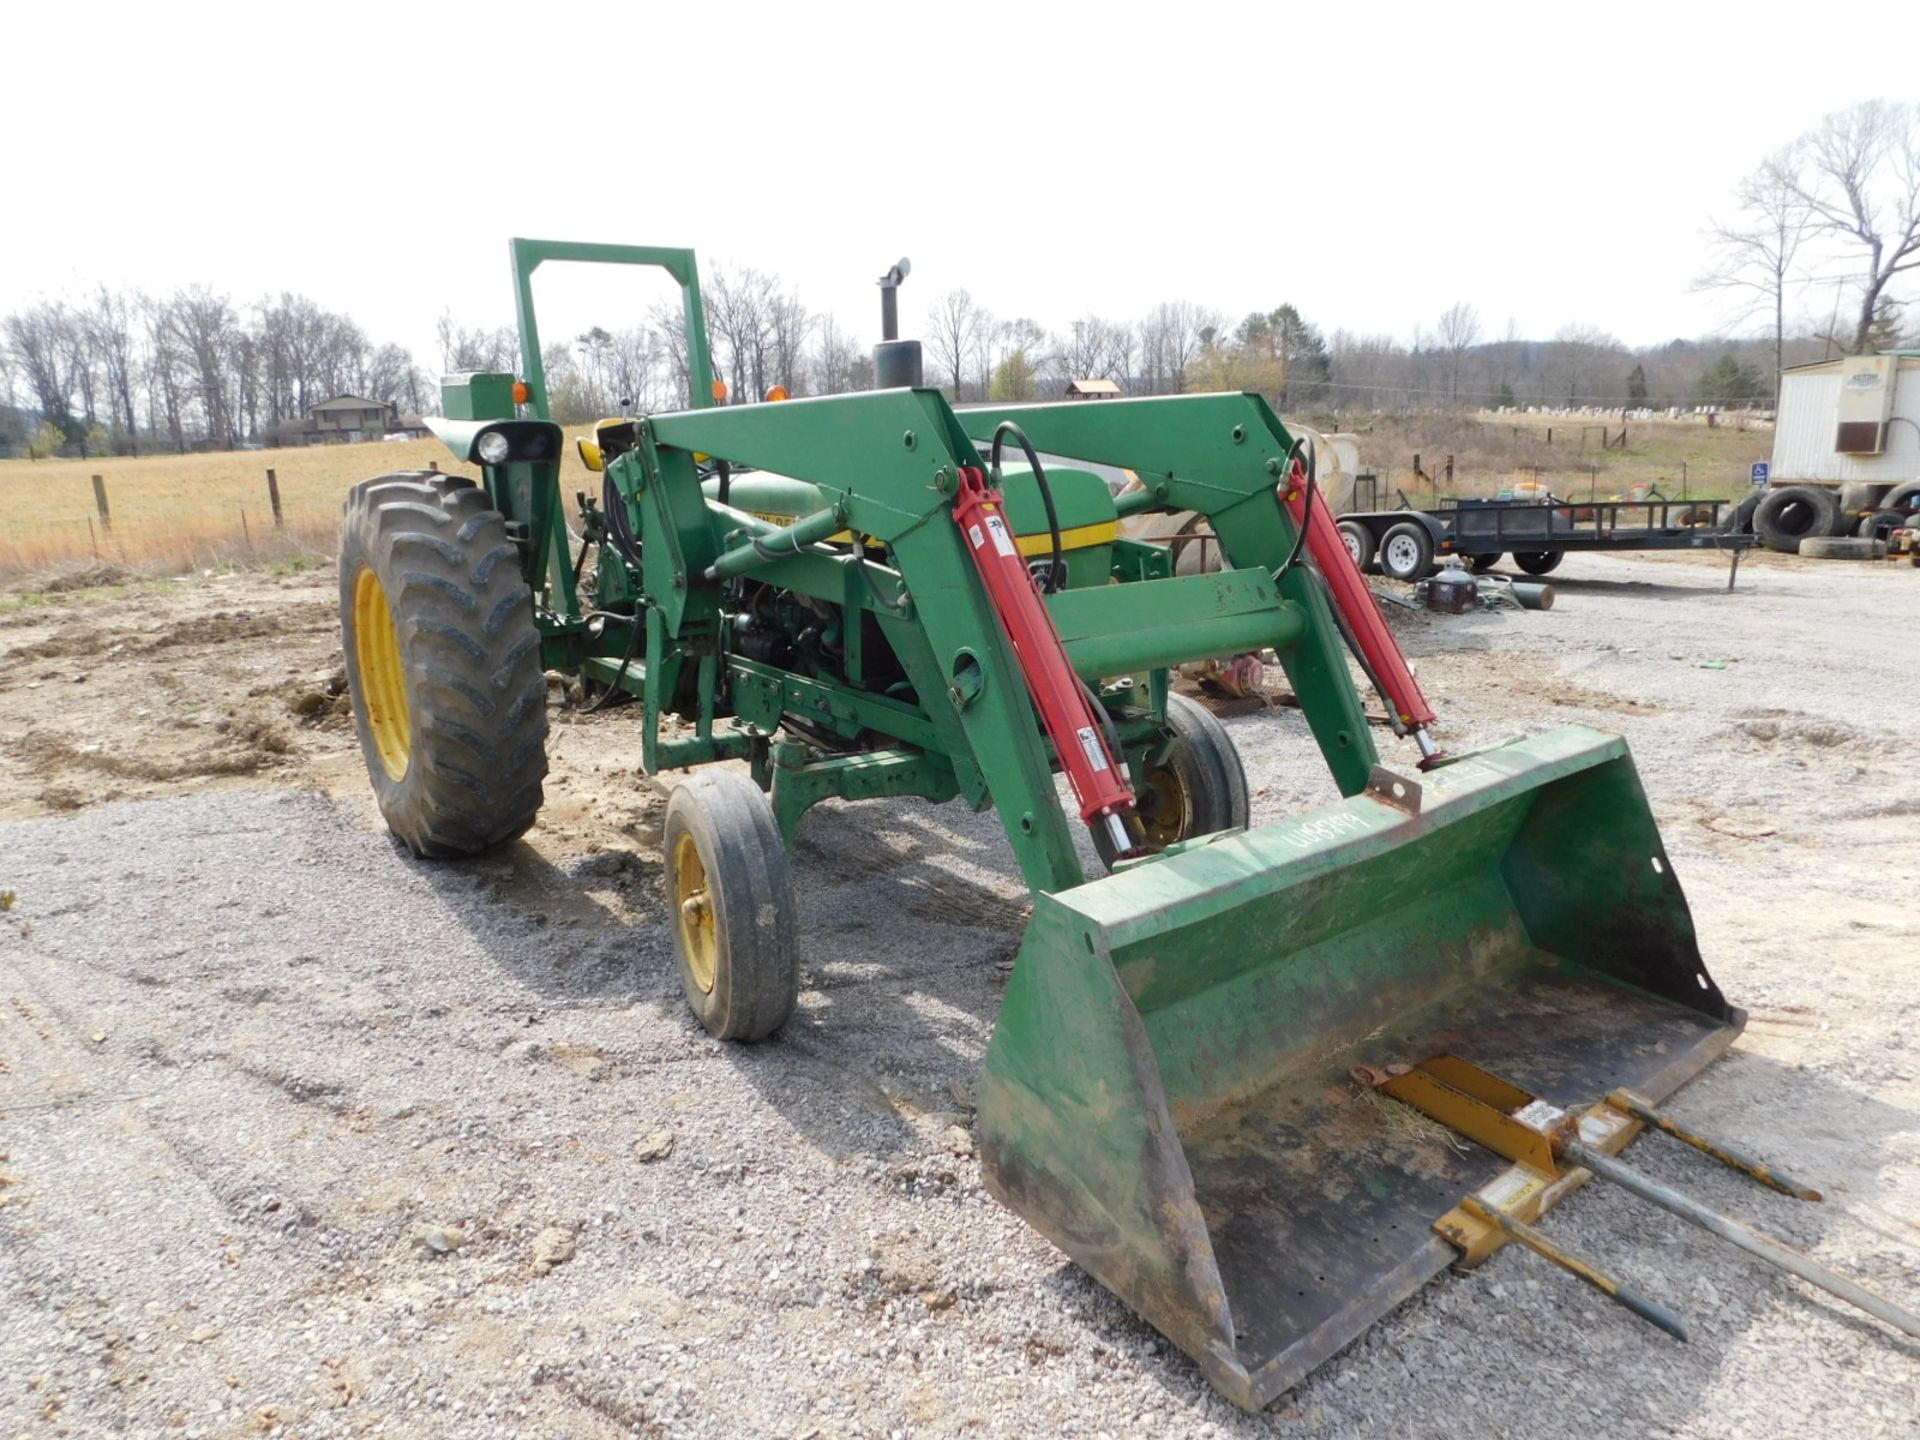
x: 870, y: 596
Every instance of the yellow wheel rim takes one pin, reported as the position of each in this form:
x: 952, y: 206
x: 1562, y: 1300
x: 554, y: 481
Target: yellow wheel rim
x: 1164, y: 808
x: 693, y: 911
x: 383, y: 683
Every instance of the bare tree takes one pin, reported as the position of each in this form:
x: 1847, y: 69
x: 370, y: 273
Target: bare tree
x: 1754, y: 253
x: 203, y: 323
x: 1576, y: 355
x: 1862, y: 187
x: 1170, y: 341
x: 36, y: 337
x: 1084, y: 351
x: 740, y: 306
x: 670, y: 324
x: 833, y: 356
x: 481, y: 349
x: 166, y: 383
x: 789, y: 325
x: 1459, y: 331
x: 955, y: 328
x: 112, y: 333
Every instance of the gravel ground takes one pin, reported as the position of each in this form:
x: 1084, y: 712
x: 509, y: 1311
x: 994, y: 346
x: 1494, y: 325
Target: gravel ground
x: 302, y: 1136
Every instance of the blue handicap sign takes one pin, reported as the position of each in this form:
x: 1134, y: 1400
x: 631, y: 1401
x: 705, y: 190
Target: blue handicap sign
x: 1760, y: 472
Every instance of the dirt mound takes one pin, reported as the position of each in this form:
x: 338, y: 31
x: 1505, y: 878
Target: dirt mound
x: 94, y: 577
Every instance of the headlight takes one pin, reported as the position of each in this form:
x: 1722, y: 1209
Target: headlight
x: 493, y: 448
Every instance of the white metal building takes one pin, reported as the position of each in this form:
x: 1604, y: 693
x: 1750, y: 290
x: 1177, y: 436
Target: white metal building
x: 1852, y: 419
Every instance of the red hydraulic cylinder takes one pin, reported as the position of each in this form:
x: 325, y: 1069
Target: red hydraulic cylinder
x: 1065, y: 711
x: 1355, y: 601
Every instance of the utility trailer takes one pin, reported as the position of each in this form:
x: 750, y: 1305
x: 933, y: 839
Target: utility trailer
x: 1409, y: 544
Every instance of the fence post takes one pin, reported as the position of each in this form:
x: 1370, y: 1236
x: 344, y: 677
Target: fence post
x: 93, y: 538
x: 100, y: 503
x: 434, y: 465
x: 273, y: 494
x: 245, y: 531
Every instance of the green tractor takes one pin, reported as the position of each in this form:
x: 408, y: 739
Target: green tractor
x: 876, y: 595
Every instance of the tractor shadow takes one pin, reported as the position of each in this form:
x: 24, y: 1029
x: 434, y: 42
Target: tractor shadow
x: 910, y: 916
x: 594, y: 929
x: 909, y: 919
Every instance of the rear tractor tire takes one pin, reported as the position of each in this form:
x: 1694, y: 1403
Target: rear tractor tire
x: 1480, y: 564
x: 1198, y: 789
x: 1539, y: 562
x: 731, y: 892
x: 443, y: 663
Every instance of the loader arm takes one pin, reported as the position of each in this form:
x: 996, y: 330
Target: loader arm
x: 1221, y: 456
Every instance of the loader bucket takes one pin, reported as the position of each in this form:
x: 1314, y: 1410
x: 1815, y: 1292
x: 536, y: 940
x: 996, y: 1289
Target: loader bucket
x: 1166, y: 1096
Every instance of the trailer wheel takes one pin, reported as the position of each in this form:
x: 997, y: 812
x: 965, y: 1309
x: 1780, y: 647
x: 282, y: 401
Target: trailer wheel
x: 1359, y: 542
x: 1480, y: 564
x: 1198, y: 789
x: 733, y: 913
x: 1539, y: 562
x: 1406, y: 552
x: 1790, y: 514
x: 443, y: 663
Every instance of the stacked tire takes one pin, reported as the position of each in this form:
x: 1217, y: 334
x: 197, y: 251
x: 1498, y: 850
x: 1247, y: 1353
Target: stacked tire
x: 1793, y: 513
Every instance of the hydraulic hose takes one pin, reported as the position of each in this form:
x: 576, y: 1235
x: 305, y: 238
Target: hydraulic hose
x: 626, y: 659
x: 1055, y: 568
x: 619, y: 527
x: 1300, y: 442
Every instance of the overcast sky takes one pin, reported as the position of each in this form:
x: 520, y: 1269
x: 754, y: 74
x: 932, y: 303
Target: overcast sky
x: 1371, y: 163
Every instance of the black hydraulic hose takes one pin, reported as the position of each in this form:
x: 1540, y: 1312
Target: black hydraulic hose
x: 1056, y: 569
x: 619, y: 528
x: 613, y: 686
x: 1300, y: 442
x: 725, y: 472
x: 1105, y: 722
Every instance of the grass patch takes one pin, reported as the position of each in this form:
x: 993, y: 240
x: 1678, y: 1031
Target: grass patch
x: 178, y: 513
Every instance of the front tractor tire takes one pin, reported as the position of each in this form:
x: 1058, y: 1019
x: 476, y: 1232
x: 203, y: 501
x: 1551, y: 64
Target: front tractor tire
x: 731, y: 894
x: 1199, y: 787
x: 443, y: 663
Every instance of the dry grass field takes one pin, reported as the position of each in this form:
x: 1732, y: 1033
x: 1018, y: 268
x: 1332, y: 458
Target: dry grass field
x: 176, y: 513
x: 1490, y: 451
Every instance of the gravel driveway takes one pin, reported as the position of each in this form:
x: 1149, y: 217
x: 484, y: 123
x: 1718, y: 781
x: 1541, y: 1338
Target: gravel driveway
x: 302, y: 1136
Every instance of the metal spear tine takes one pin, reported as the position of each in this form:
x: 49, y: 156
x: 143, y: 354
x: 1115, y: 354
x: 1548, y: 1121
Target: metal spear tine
x: 1770, y: 1176
x: 1765, y: 1247
x: 1652, y: 1311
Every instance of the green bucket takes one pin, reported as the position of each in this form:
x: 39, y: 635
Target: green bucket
x: 1166, y: 1096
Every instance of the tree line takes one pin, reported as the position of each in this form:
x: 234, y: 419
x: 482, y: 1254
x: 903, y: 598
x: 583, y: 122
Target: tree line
x: 123, y: 372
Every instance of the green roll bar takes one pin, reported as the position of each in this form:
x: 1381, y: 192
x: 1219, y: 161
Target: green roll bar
x: 529, y: 255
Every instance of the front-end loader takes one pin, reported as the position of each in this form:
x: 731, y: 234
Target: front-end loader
x: 875, y: 595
